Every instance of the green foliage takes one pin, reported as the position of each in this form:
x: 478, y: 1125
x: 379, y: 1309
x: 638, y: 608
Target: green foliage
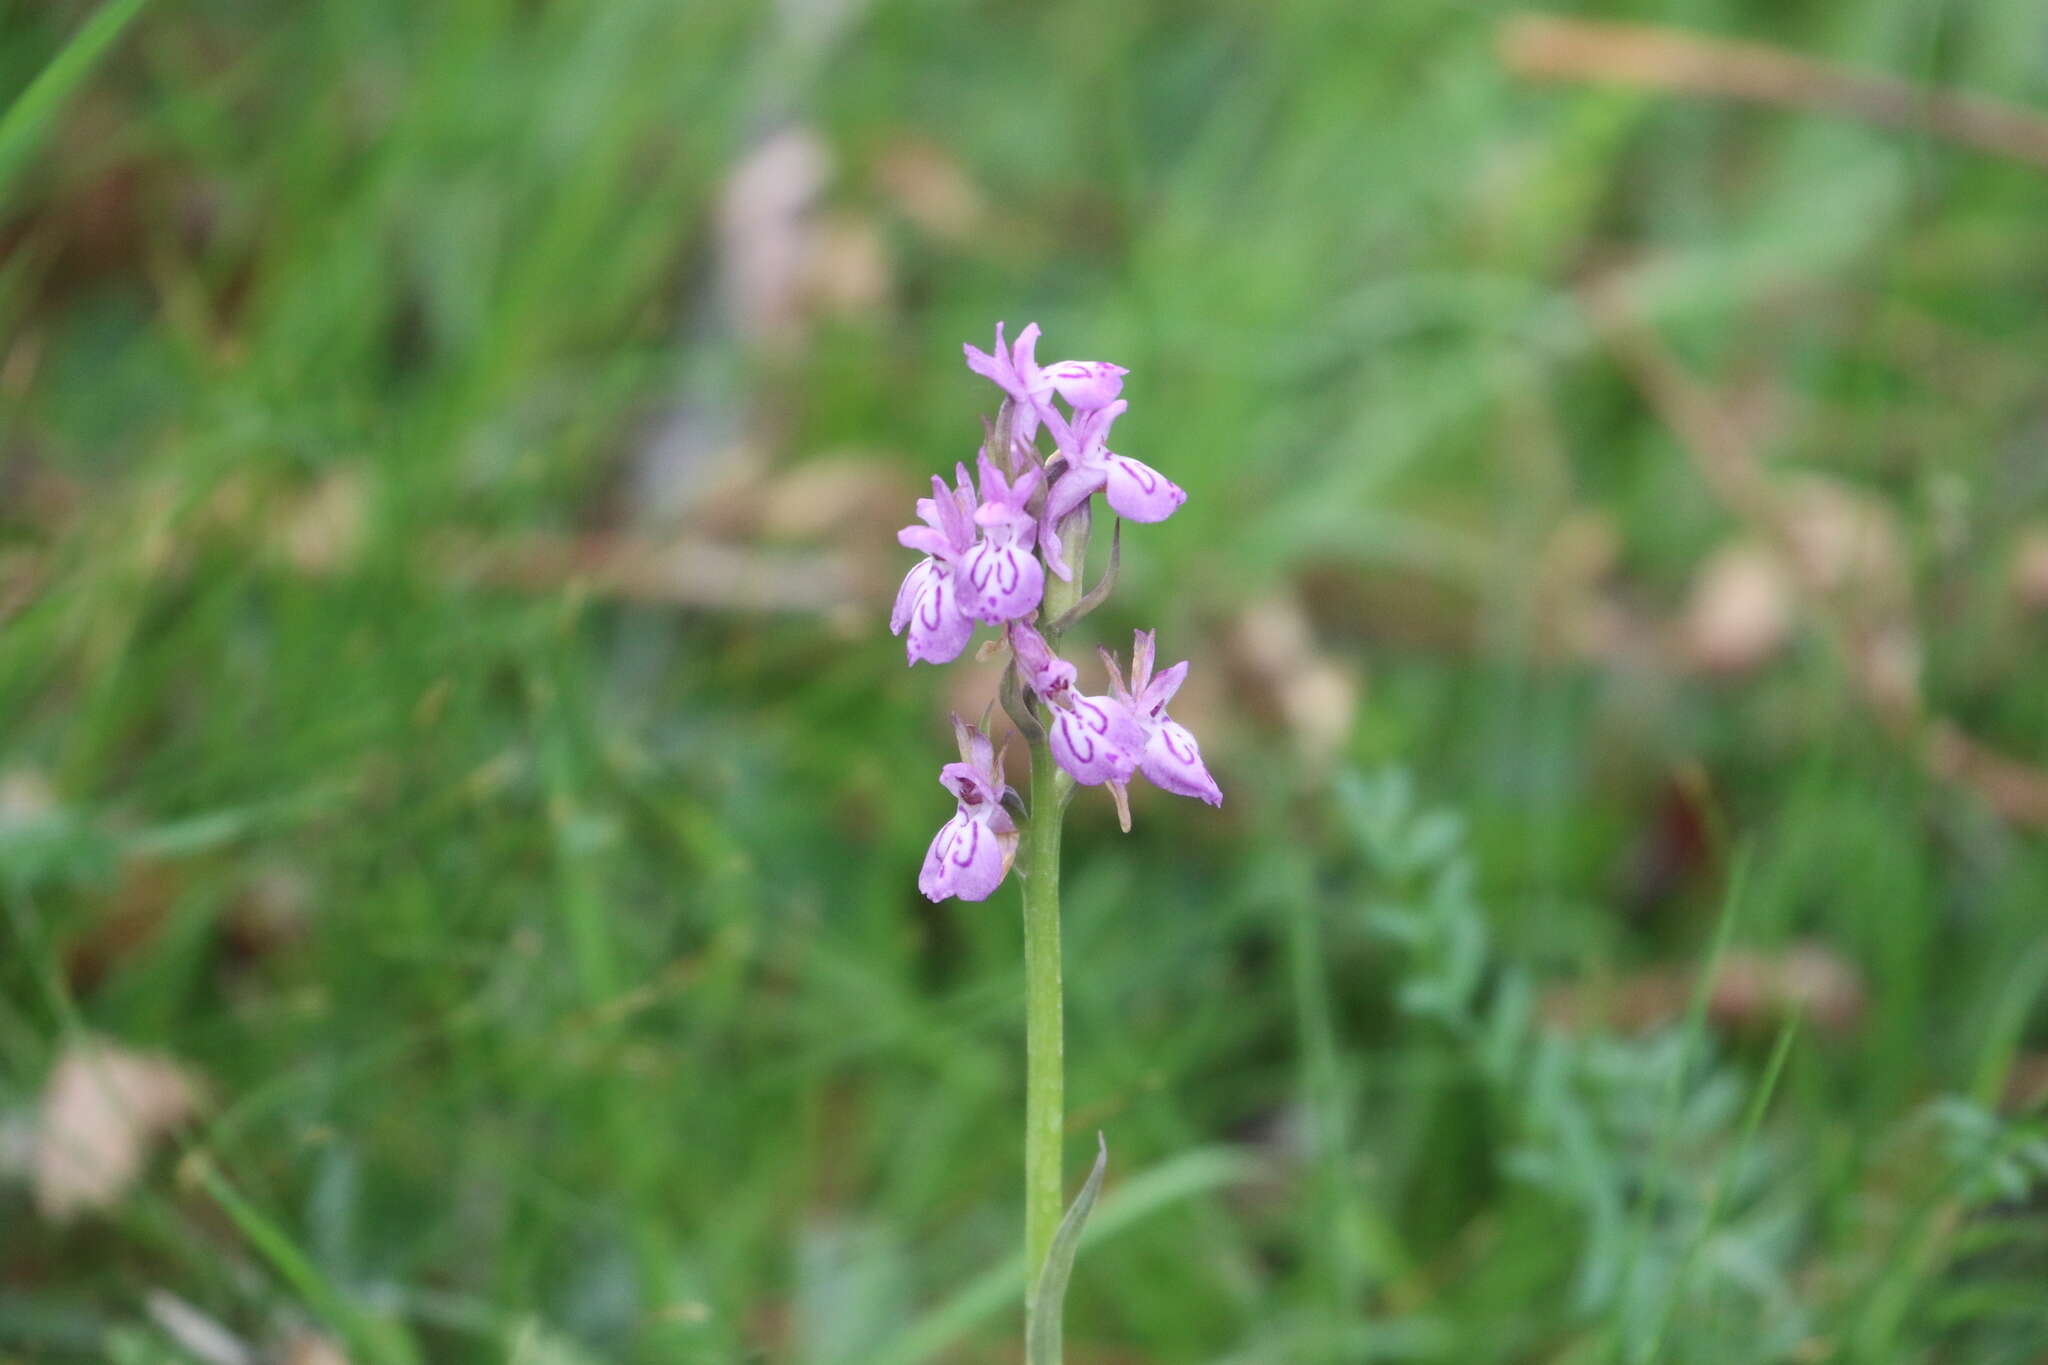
x: 1690, y: 1238
x: 553, y: 952
x: 28, y: 119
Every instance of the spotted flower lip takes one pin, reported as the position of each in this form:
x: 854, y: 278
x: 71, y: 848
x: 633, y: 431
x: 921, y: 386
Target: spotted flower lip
x: 1087, y: 384
x: 1000, y: 579
x: 1096, y: 740
x: 1170, y: 758
x: 927, y: 607
x: 928, y: 604
x: 972, y: 852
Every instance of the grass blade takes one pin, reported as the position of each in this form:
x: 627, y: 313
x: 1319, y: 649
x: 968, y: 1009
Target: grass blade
x: 1136, y: 1199
x: 1760, y: 1100
x: 31, y: 113
x: 372, y: 1341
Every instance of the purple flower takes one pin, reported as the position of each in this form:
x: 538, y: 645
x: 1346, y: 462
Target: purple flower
x: 1086, y: 384
x: 1169, y: 758
x: 1135, y: 490
x: 971, y: 854
x: 1000, y: 579
x: 1096, y: 739
x: 928, y: 602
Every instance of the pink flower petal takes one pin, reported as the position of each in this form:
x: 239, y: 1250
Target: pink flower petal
x: 1087, y: 384
x: 1095, y: 740
x: 914, y: 584
x: 938, y: 630
x: 1139, y: 492
x: 967, y: 859
x: 1173, y: 762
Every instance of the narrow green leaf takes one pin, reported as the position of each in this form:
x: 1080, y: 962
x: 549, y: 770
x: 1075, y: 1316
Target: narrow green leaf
x: 31, y: 113
x: 1760, y: 1100
x: 1136, y: 1199
x: 373, y: 1341
x: 1042, y: 1331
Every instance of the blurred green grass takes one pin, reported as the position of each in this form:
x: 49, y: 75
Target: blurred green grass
x: 554, y: 954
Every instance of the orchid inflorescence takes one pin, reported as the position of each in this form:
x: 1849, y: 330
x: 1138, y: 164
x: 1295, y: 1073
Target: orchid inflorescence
x: 1001, y: 548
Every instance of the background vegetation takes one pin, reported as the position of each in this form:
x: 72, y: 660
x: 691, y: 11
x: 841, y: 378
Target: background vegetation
x: 456, y: 782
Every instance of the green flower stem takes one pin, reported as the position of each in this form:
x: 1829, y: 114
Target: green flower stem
x: 1044, y: 1021
x: 1044, y: 1009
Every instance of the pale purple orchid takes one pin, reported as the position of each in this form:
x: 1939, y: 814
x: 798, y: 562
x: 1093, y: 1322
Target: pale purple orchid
x: 1013, y: 368
x: 928, y: 603
x: 1135, y: 490
x: 1094, y: 738
x: 1169, y: 756
x: 972, y: 852
x: 1000, y: 579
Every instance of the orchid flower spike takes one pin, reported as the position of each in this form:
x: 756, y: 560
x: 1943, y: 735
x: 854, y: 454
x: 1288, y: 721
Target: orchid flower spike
x: 1000, y: 579
x: 928, y: 603
x: 972, y: 852
x: 988, y: 541
x: 1169, y: 757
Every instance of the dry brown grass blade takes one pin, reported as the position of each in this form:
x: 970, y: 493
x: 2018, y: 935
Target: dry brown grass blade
x: 1751, y: 991
x: 1725, y: 454
x: 682, y: 572
x: 1553, y: 48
